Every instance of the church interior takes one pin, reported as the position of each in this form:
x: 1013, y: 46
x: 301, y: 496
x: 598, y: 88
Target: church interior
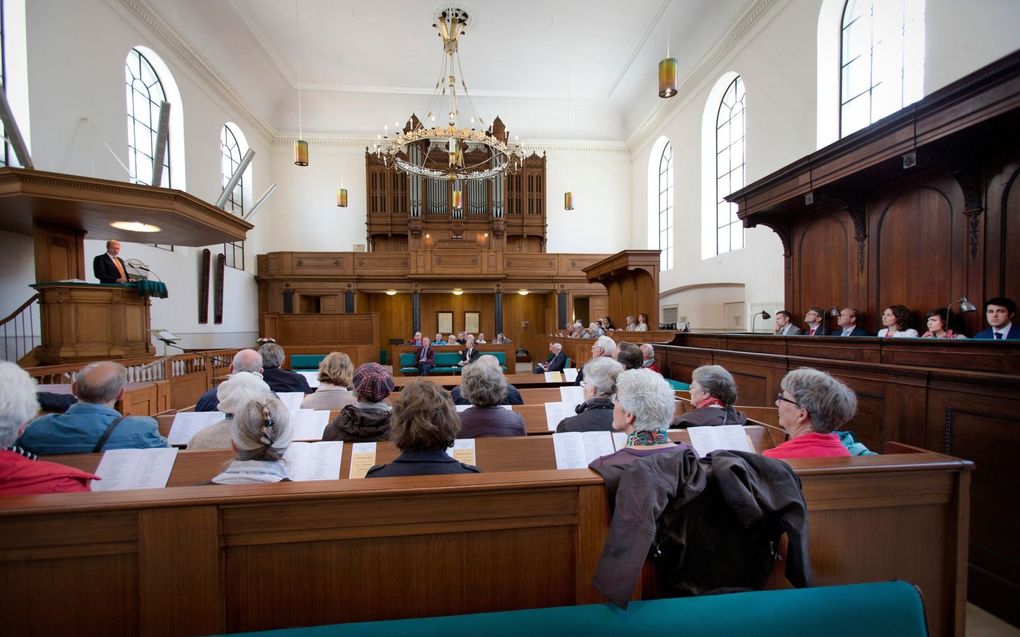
x: 341, y: 176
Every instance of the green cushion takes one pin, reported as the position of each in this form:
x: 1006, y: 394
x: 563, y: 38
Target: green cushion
x: 677, y: 385
x: 407, y: 359
x: 447, y: 359
x: 307, y: 362
x: 882, y: 608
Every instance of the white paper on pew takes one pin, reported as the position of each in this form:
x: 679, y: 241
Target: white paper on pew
x: 619, y: 440
x: 188, y: 423
x: 308, y: 424
x: 553, y: 377
x: 705, y: 440
x: 576, y: 450
x: 463, y: 450
x: 312, y: 378
x: 362, y: 459
x: 122, y: 469
x: 466, y: 407
x: 573, y: 394
x: 555, y: 412
x: 570, y: 374
x: 291, y: 400
x: 313, y: 460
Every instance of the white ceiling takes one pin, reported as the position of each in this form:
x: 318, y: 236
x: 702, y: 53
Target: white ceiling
x: 551, y: 69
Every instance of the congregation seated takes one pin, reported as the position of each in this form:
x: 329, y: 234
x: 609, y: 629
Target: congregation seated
x: 554, y: 362
x: 594, y: 330
x: 280, y: 380
x: 713, y: 394
x: 648, y: 358
x: 481, y: 338
x: 501, y: 339
x: 513, y: 396
x: 424, y: 426
x: 607, y: 324
x: 92, y: 424
x: 999, y: 312
x: 416, y: 339
x: 847, y: 322
x: 21, y: 473
x: 245, y: 360
x: 896, y: 319
x: 596, y: 412
x: 483, y: 385
x: 232, y: 394
x: 260, y: 434
x: 368, y: 419
x: 439, y: 340
x: 336, y: 373
x: 938, y: 325
x: 784, y: 324
x: 814, y: 322
x: 642, y: 324
x: 604, y: 346
x: 452, y: 340
x: 631, y: 324
x: 643, y: 409
x: 629, y: 355
x: 812, y: 405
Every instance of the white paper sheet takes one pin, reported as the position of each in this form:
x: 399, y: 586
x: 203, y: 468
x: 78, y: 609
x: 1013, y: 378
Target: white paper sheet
x: 705, y: 440
x: 308, y: 424
x: 312, y: 378
x: 463, y: 450
x: 188, y: 423
x: 573, y: 394
x: 555, y: 412
x: 576, y: 450
x: 466, y: 407
x: 362, y: 459
x: 313, y: 460
x: 570, y: 374
x: 122, y: 469
x: 619, y: 440
x: 291, y: 400
x: 553, y: 377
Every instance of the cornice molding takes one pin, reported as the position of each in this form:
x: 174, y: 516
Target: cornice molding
x: 704, y: 70
x: 149, y: 16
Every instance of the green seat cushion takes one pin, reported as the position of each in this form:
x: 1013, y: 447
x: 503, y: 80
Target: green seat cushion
x: 306, y: 362
x: 677, y: 385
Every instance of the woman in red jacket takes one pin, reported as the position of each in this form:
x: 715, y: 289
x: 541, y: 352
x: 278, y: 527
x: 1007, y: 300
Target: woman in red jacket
x: 812, y: 405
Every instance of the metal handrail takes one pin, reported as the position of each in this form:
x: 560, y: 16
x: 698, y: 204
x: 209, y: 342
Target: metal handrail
x: 22, y: 323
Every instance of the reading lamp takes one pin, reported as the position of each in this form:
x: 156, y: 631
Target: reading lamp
x: 965, y: 307
x: 754, y: 317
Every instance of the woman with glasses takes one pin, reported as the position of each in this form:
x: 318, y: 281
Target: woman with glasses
x: 596, y: 412
x: 713, y: 392
x: 812, y: 405
x: 642, y: 409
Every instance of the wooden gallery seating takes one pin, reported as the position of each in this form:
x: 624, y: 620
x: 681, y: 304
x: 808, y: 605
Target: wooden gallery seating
x: 209, y: 559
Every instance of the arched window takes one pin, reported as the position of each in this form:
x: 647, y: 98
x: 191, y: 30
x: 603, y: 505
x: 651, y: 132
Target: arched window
x: 14, y: 75
x: 881, y: 60
x: 729, y: 166
x: 665, y: 206
x: 233, y: 146
x: 145, y: 94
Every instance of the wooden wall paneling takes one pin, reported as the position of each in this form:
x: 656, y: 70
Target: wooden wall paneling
x: 825, y: 260
x: 1004, y: 256
x: 394, y: 316
x: 913, y: 237
x: 191, y: 531
x: 482, y: 302
x: 59, y: 253
x: 519, y: 309
x: 757, y: 380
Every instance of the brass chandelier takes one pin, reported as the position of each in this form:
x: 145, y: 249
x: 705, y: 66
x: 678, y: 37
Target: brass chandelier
x: 458, y: 150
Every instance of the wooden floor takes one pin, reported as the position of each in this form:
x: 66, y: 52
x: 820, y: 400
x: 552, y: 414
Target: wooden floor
x: 983, y: 624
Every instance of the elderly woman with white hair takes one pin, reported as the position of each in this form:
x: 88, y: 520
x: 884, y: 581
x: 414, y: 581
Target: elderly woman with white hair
x: 232, y: 394
x: 260, y: 434
x: 713, y: 392
x: 596, y: 412
x: 484, y: 386
x: 643, y: 408
x: 812, y: 405
x: 20, y: 472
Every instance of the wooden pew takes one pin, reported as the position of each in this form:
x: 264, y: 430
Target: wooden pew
x: 205, y: 559
x: 541, y: 396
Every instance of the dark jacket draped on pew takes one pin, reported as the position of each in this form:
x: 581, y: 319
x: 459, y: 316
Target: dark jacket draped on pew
x: 712, y: 525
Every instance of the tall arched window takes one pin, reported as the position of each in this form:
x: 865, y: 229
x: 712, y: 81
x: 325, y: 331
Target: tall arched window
x: 5, y: 156
x: 145, y: 94
x: 729, y: 166
x: 14, y: 75
x: 665, y: 190
x: 881, y: 60
x: 233, y: 146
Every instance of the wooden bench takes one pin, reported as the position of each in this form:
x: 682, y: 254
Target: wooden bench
x: 208, y: 559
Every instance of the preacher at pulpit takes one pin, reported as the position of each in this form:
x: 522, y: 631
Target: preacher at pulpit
x: 108, y: 267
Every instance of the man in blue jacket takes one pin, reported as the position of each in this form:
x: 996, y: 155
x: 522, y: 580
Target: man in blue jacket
x: 92, y: 424
x: 999, y: 313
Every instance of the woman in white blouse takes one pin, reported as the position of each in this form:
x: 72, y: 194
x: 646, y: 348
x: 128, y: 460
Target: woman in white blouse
x: 896, y: 319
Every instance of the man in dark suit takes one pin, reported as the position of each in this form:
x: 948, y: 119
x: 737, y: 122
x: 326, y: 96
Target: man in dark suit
x: 469, y: 354
x: 814, y: 322
x: 279, y: 379
x: 999, y: 313
x: 848, y: 324
x: 426, y: 356
x: 784, y: 324
x: 108, y: 267
x: 555, y: 362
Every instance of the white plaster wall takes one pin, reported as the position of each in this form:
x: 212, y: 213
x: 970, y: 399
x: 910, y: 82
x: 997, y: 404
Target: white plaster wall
x: 18, y: 265
x: 703, y: 305
x: 963, y: 36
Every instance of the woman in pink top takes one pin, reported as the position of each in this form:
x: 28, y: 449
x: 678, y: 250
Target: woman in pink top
x: 811, y: 405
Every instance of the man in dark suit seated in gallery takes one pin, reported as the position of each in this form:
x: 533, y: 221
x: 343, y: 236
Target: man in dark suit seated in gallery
x: 425, y: 359
x: 470, y: 353
x: 814, y: 322
x: 108, y: 267
x: 848, y: 323
x: 279, y: 379
x: 784, y: 324
x: 999, y: 313
x: 554, y: 362
x: 246, y: 360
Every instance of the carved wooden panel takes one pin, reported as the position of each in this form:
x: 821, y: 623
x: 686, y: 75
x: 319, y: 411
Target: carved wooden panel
x: 825, y: 263
x: 320, y: 263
